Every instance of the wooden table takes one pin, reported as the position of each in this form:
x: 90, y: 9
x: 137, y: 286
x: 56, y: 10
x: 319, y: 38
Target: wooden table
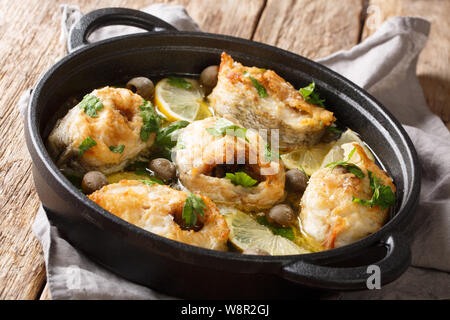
x: 29, y: 45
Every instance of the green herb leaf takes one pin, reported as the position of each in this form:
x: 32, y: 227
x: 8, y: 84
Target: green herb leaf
x: 151, y: 181
x: 193, y: 205
x: 310, y: 96
x: 179, y: 82
x: 383, y: 195
x: 285, y: 232
x: 350, y: 167
x: 262, y: 92
x: 139, y: 167
x: 117, y: 149
x: 269, y: 154
x: 167, y: 137
x: 86, y: 145
x: 151, y: 120
x: 335, y: 130
x: 241, y: 178
x: 91, y: 104
x: 224, y: 127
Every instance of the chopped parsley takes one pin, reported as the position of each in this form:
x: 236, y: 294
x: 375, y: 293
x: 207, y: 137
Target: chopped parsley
x: 334, y: 130
x: 269, y: 154
x: 285, y: 232
x: 117, y: 149
x: 350, y: 167
x: 151, y: 181
x: 91, y: 104
x: 224, y: 127
x: 151, y: 120
x: 193, y: 205
x: 383, y: 195
x: 86, y: 145
x: 241, y: 178
x: 262, y: 92
x: 179, y: 82
x: 310, y: 96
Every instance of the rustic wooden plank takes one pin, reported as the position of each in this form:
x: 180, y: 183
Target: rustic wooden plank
x: 29, y: 44
x: 310, y: 28
x: 433, y: 67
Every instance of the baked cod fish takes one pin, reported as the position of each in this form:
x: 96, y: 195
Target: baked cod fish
x: 257, y: 98
x: 160, y: 209
x: 342, y: 204
x: 104, y: 132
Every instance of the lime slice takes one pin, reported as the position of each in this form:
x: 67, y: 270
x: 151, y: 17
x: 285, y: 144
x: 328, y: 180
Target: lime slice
x: 180, y: 103
x: 246, y: 233
x: 336, y: 153
x: 307, y: 159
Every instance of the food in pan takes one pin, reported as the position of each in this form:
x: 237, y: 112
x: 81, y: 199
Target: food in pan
x: 197, y: 161
x: 177, y: 215
x: 107, y: 130
x: 260, y: 99
x: 206, y: 158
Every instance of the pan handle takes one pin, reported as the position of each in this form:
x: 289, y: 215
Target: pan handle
x: 395, y: 262
x: 112, y: 16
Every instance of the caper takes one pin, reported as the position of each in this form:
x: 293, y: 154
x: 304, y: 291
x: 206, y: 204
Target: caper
x: 296, y: 180
x: 92, y: 181
x: 281, y: 214
x: 208, y: 77
x: 163, y: 169
x: 142, y: 86
x: 256, y: 251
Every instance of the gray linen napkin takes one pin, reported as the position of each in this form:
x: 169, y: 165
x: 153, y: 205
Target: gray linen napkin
x: 384, y: 64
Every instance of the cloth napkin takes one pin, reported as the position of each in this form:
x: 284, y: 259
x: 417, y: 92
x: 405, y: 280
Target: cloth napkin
x: 385, y: 65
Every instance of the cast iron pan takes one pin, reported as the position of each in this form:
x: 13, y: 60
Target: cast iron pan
x: 187, y: 271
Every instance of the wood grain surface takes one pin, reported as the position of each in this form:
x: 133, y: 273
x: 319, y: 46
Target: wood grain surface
x: 433, y: 68
x: 29, y: 45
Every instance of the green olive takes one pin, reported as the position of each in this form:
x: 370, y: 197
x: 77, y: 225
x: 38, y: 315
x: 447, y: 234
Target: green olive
x: 163, y: 169
x: 281, y: 214
x: 93, y: 181
x: 142, y: 86
x: 256, y: 251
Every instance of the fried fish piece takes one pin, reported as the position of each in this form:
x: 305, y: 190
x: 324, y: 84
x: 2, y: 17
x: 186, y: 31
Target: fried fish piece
x: 204, y: 160
x: 158, y: 209
x: 238, y: 96
x: 115, y: 126
x: 329, y: 216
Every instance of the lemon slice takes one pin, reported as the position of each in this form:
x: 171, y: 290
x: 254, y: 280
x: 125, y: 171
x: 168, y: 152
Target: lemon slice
x: 181, y: 103
x: 336, y: 153
x: 309, y: 159
x: 246, y: 233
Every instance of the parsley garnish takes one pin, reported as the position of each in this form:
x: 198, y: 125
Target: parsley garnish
x: 241, y: 178
x: 350, y: 167
x: 151, y: 120
x: 270, y: 155
x: 262, y: 92
x: 86, y: 145
x: 285, y: 232
x: 117, y: 149
x: 151, y: 181
x: 383, y: 195
x: 335, y: 130
x: 193, y: 205
x: 91, y: 104
x: 224, y: 127
x: 310, y: 96
x: 139, y: 167
x: 179, y: 82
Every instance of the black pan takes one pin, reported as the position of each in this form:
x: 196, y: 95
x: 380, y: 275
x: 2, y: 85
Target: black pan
x: 179, y: 269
